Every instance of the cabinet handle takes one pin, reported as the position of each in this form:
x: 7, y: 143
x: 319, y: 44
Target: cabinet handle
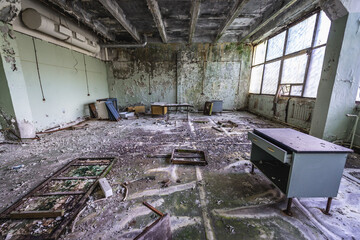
x: 270, y: 149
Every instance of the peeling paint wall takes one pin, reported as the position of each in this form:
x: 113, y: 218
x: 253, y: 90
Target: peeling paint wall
x: 180, y: 73
x: 63, y: 79
x: 293, y: 111
x: 7, y: 114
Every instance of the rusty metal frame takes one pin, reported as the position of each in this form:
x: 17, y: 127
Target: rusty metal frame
x: 147, y: 229
x: 176, y: 158
x: 109, y: 161
x: 285, y: 56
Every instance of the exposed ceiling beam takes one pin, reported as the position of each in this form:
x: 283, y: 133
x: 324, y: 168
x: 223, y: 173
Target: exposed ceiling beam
x: 235, y: 11
x: 195, y: 10
x: 155, y: 11
x: 269, y: 19
x: 114, y: 9
x: 74, y: 9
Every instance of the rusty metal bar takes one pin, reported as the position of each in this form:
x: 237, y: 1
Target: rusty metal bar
x: 153, y: 209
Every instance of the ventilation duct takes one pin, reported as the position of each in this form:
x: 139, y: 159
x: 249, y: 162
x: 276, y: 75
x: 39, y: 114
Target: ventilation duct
x: 35, y: 21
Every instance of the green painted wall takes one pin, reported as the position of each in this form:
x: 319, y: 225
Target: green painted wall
x: 63, y: 80
x: 6, y: 107
x: 181, y: 73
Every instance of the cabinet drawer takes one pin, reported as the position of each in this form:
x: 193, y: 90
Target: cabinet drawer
x: 270, y: 148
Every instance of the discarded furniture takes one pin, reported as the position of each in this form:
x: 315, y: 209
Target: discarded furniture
x: 177, y: 106
x: 217, y: 106
x: 113, y: 113
x: 136, y: 109
x: 208, y: 108
x: 298, y: 164
x: 93, y: 111
x: 107, y: 108
x: 160, y: 229
x: 54, y: 203
x: 127, y: 115
x: 101, y: 110
x: 188, y: 157
x: 161, y: 108
x: 158, y: 108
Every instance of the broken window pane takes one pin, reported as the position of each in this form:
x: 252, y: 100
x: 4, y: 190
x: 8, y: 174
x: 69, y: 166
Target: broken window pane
x: 300, y: 35
x: 294, y: 69
x: 314, y: 74
x: 284, y: 90
x: 322, y: 30
x: 296, y: 90
x: 276, y: 46
x: 259, y: 53
x: 271, y: 77
x: 256, y: 76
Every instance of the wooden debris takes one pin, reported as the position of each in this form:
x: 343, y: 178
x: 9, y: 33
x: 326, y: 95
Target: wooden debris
x: 36, y: 214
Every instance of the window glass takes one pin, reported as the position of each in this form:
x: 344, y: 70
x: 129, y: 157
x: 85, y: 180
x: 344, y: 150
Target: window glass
x: 271, y: 77
x: 294, y: 69
x: 358, y: 95
x: 300, y: 35
x: 255, y: 82
x: 276, y: 46
x: 314, y: 73
x: 259, y: 53
x: 296, y: 90
x: 322, y: 31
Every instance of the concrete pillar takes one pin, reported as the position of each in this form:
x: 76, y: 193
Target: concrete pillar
x: 15, y: 108
x: 341, y: 72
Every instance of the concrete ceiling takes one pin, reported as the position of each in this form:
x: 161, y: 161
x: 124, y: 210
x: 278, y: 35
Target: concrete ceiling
x: 182, y: 21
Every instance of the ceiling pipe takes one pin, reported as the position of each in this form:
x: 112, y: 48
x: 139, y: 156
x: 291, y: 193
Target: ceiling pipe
x: 126, y: 45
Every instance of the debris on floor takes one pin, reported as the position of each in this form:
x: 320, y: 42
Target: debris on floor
x: 56, y: 201
x: 160, y: 229
x: 189, y: 157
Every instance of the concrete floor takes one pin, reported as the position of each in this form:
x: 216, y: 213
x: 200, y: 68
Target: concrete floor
x: 218, y: 201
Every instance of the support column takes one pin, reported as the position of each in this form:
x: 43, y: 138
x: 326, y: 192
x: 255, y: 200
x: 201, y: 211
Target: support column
x: 15, y: 111
x: 340, y: 73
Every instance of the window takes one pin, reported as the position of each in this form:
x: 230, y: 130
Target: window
x: 291, y: 62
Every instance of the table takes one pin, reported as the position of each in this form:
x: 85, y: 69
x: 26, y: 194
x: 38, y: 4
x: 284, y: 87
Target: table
x: 298, y: 164
x: 174, y: 105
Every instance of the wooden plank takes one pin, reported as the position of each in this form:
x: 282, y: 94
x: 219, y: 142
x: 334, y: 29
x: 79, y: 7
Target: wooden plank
x: 93, y: 110
x: 155, y: 11
x: 59, y: 193
x: 36, y: 214
x: 75, y: 178
x: 116, y: 11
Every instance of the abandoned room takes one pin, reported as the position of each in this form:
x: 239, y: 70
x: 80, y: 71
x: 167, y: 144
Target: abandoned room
x: 179, y: 119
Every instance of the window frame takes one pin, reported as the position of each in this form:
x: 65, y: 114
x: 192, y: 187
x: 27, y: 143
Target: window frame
x: 308, y: 51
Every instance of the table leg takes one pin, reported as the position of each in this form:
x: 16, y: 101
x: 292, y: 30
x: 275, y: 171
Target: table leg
x: 252, y: 169
x: 328, y: 205
x: 287, y: 211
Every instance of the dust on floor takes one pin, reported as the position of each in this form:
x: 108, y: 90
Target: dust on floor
x: 218, y: 201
